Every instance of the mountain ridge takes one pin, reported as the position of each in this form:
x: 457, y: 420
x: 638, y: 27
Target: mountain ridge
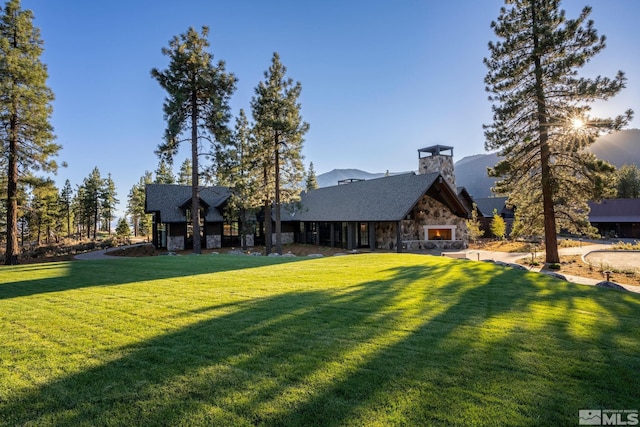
x: 619, y: 148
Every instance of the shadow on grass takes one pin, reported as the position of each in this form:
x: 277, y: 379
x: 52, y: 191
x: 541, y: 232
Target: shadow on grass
x: 421, y: 347
x: 33, y: 279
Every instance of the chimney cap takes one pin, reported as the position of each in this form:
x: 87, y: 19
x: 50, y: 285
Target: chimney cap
x: 435, y: 150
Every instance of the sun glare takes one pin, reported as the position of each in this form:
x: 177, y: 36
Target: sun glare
x: 577, y: 123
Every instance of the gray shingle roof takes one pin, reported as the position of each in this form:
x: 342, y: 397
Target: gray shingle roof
x: 615, y: 210
x: 166, y: 199
x: 389, y: 198
x: 488, y: 204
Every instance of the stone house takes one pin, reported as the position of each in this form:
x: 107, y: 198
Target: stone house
x: 409, y: 212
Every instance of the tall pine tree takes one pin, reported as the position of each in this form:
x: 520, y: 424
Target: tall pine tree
x: 140, y: 221
x: 164, y: 174
x: 26, y: 135
x: 541, y: 122
x: 280, y: 129
x: 185, y: 173
x: 109, y: 203
x: 312, y: 180
x: 197, y: 103
x: 66, y: 197
x: 236, y: 170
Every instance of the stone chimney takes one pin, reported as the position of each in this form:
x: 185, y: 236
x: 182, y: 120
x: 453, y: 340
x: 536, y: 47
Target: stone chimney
x: 438, y: 158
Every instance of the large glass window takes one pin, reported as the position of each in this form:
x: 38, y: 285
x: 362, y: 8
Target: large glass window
x: 364, y: 234
x: 231, y: 229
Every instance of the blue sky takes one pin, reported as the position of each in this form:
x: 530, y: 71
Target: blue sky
x: 380, y: 78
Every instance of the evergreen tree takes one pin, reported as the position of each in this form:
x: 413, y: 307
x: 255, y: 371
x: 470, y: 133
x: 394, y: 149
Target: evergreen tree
x: 541, y: 122
x: 66, y: 197
x: 164, y: 174
x: 122, y: 229
x: 109, y: 203
x: 628, y: 182
x: 197, y: 102
x: 236, y: 170
x: 312, y: 181
x: 91, y: 201
x: 140, y: 221
x: 80, y: 214
x: 44, y: 210
x: 26, y: 135
x: 185, y: 173
x: 280, y: 129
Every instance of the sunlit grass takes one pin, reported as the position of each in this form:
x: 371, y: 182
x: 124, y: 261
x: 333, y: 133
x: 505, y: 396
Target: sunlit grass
x: 374, y: 339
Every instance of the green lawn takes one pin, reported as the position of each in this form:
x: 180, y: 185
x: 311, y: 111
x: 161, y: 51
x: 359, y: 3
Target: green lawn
x: 376, y: 339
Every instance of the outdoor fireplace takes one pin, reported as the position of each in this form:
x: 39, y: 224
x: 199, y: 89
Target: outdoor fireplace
x: 440, y: 232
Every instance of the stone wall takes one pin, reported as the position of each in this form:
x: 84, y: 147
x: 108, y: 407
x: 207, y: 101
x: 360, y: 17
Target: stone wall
x: 175, y: 243
x: 214, y: 241
x: 287, y: 238
x: 427, y: 212
x: 386, y: 235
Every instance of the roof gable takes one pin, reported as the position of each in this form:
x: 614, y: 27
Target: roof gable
x: 382, y: 199
x: 170, y: 200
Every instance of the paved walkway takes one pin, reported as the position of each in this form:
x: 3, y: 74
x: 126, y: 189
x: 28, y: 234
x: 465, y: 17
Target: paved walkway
x: 103, y: 253
x: 596, y: 254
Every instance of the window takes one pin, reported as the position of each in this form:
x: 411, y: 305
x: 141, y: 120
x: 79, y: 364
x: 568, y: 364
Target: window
x: 231, y: 228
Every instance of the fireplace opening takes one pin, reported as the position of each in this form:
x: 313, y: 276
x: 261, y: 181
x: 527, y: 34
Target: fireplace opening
x: 440, y: 232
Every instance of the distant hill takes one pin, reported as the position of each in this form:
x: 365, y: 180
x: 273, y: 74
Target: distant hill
x: 620, y: 148
x: 471, y: 173
x: 331, y: 178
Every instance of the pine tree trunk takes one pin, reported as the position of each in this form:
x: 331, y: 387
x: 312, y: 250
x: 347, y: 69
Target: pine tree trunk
x: 12, y: 194
x: 550, y: 234
x: 277, y: 194
x: 267, y: 213
x: 195, y: 191
x: 550, y: 237
x: 242, y: 228
x: 268, y: 232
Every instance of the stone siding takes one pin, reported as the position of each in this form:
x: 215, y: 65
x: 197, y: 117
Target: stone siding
x: 287, y: 238
x: 214, y: 241
x: 427, y: 212
x: 175, y: 243
x: 439, y: 163
x: 386, y: 235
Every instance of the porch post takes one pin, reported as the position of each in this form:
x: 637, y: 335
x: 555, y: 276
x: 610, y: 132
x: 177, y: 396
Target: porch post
x: 372, y: 236
x: 155, y: 240
x: 350, y: 235
x: 317, y: 234
x: 332, y: 230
